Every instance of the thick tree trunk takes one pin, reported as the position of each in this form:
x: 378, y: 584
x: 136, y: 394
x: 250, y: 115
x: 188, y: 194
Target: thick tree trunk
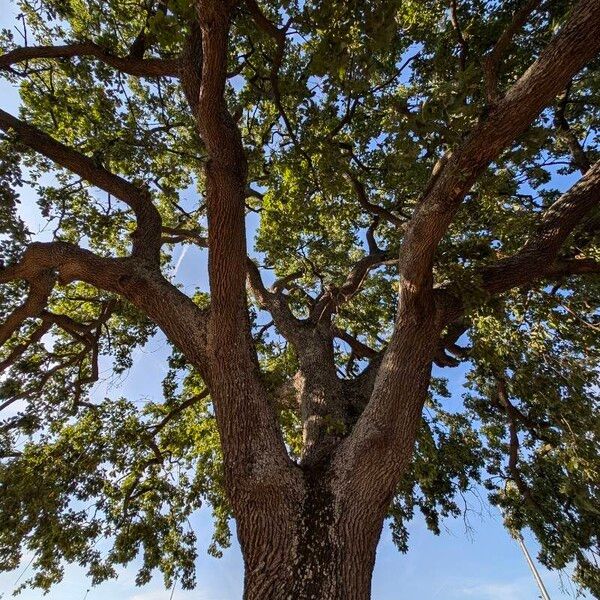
x: 324, y: 551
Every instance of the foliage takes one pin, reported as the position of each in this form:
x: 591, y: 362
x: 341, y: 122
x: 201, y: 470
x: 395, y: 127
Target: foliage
x: 369, y: 91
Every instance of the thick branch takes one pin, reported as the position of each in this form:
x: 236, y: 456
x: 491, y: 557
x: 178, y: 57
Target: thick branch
x: 182, y: 321
x: 146, y: 238
x: 538, y: 256
x: 359, y: 349
x: 39, y: 292
x: 264, y: 23
x: 253, y: 448
x: 576, y: 266
x: 336, y: 296
x: 569, y: 51
x: 381, y: 445
x: 149, y: 67
x: 274, y: 301
x: 176, y: 235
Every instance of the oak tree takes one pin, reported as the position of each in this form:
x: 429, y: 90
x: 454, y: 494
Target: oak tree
x: 422, y: 183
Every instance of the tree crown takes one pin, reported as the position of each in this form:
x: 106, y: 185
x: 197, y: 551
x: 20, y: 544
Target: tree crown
x: 359, y: 120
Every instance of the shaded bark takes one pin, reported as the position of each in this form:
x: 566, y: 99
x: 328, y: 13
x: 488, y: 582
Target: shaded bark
x: 333, y: 549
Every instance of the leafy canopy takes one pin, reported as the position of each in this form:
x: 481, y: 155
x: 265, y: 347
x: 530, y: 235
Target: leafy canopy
x: 353, y: 115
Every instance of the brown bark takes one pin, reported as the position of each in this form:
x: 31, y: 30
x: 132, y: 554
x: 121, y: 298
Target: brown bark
x: 149, y: 67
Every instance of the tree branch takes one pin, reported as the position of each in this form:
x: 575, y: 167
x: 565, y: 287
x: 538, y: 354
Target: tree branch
x: 336, y: 296
x: 40, y: 289
x: 138, y: 67
x: 513, y: 415
x: 381, y: 444
x: 146, y: 238
x: 175, y: 235
x: 569, y: 51
x: 177, y: 410
x: 276, y: 304
x: 359, y: 349
x: 491, y: 61
x: 462, y: 42
x: 566, y: 268
x: 538, y: 256
x: 363, y: 199
x: 580, y: 158
x: 19, y: 349
x: 254, y: 453
x: 182, y: 321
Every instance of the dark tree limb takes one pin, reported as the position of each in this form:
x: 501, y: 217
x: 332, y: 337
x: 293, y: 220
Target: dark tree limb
x: 146, y: 238
x: 176, y: 235
x: 138, y: 67
x: 492, y: 60
x: 359, y: 349
x: 275, y: 302
x: 513, y: 416
x: 580, y: 158
x: 375, y: 209
x: 20, y: 349
x: 40, y: 289
x: 334, y: 297
x: 462, y: 42
x: 539, y: 256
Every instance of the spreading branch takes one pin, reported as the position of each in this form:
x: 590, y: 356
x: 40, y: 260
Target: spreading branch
x: 335, y: 296
x: 275, y: 302
x: 129, y: 278
x: 176, y: 235
x: 146, y: 238
x: 138, y: 67
x: 538, y: 257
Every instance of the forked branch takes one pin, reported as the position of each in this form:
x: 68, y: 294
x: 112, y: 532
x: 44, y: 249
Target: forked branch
x: 568, y: 52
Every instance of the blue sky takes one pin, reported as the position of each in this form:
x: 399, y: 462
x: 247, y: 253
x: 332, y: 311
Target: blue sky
x: 483, y: 563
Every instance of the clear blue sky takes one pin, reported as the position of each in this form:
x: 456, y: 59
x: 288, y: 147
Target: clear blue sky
x: 481, y: 564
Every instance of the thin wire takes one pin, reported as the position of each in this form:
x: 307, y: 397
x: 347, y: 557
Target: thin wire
x: 173, y: 589
x: 24, y: 570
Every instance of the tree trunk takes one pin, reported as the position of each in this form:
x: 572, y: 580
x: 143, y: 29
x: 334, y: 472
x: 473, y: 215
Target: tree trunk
x: 323, y: 550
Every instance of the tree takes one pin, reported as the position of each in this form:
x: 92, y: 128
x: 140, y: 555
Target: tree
x: 404, y: 162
